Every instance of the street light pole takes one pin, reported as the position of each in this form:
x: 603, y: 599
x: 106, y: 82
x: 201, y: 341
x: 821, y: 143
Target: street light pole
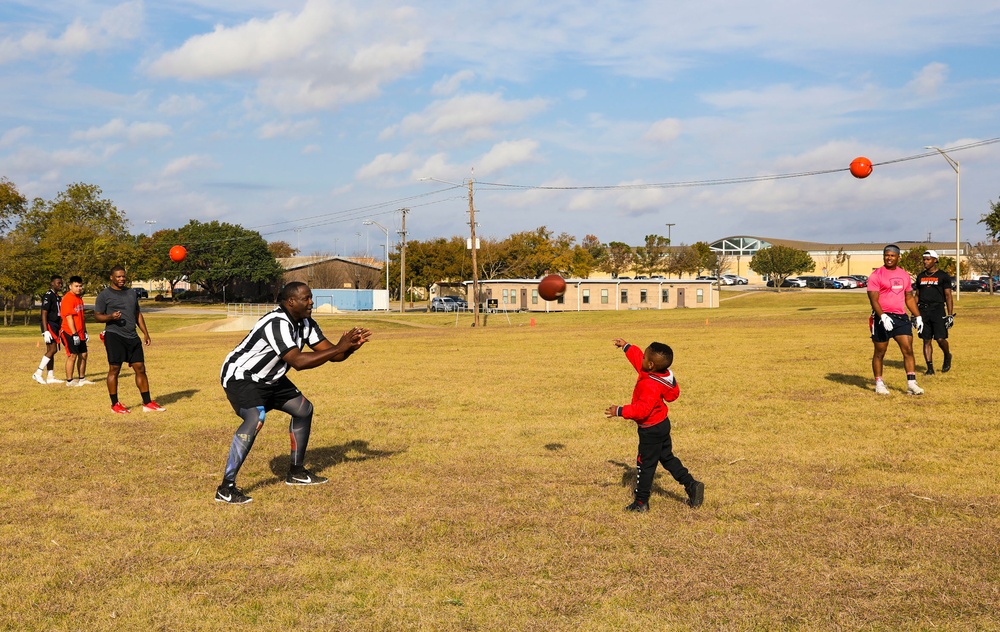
x: 371, y: 222
x: 150, y: 223
x: 669, y: 240
x: 958, y: 218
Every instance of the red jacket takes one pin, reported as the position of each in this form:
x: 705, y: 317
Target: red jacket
x: 651, y: 393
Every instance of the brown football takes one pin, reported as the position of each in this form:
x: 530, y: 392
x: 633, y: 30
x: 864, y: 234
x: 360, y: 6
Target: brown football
x: 552, y: 287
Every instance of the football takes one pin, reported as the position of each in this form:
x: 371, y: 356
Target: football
x: 552, y: 287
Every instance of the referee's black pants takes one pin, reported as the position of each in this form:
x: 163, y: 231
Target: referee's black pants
x: 655, y: 447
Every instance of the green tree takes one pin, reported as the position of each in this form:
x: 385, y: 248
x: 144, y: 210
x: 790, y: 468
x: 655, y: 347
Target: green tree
x: 220, y: 255
x: 706, y: 256
x: 683, y: 260
x: 532, y: 253
x: 79, y: 232
x: 618, y: 258
x: 780, y: 262
x: 652, y: 257
x: 992, y: 220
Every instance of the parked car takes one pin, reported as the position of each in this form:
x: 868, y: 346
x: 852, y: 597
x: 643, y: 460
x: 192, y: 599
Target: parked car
x: 789, y: 282
x: 736, y: 279
x: 973, y: 285
x: 849, y: 282
x: 860, y: 278
x: 141, y: 292
x: 722, y: 281
x: 822, y: 282
x: 444, y: 304
x: 460, y: 302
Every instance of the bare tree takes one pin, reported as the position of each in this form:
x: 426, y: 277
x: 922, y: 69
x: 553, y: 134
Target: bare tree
x: 985, y: 259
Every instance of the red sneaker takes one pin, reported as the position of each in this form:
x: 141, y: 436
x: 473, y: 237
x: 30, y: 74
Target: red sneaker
x: 152, y: 407
x: 120, y: 409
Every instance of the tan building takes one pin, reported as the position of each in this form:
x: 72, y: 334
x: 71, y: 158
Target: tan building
x: 597, y: 295
x: 831, y: 259
x: 333, y: 272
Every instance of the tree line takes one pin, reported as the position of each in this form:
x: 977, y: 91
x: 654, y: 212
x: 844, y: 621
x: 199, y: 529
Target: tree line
x: 80, y: 232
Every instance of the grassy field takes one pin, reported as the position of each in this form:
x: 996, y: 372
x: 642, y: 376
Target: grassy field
x: 476, y: 485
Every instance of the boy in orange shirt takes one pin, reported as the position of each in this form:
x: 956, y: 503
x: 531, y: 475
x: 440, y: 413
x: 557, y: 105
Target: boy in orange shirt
x: 74, y: 332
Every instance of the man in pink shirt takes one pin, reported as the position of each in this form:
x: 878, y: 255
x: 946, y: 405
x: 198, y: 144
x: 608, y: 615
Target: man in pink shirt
x: 890, y: 293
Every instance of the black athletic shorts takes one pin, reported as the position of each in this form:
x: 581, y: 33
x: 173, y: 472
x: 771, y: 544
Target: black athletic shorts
x: 250, y: 394
x: 122, y: 350
x: 934, y: 321
x: 900, y: 327
x: 71, y: 348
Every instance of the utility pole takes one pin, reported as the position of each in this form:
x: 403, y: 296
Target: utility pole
x: 402, y: 262
x: 475, y: 268
x: 669, y: 240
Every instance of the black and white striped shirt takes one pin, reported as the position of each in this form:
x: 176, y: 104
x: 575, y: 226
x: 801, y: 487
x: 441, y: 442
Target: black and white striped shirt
x: 258, y: 356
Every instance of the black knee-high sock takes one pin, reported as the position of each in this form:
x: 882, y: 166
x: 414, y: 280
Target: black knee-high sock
x: 301, y: 410
x: 253, y: 420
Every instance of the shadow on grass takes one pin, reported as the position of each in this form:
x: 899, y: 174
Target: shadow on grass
x: 850, y: 380
x: 629, y: 474
x: 171, y: 398
x: 320, y: 459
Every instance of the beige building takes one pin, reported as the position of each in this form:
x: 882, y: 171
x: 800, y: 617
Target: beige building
x: 597, y: 295
x: 831, y: 259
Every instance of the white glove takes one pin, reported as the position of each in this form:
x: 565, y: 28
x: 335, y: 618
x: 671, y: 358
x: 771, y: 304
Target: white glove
x: 886, y: 322
x: 86, y: 337
x: 920, y: 324
x: 76, y: 339
x: 949, y: 321
x: 48, y: 337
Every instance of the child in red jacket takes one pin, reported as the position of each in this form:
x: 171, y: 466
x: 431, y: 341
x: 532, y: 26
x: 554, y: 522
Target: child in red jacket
x: 655, y: 387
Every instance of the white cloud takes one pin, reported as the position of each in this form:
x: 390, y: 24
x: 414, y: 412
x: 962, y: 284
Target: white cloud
x: 287, y: 129
x: 115, y: 25
x: 472, y: 115
x: 118, y: 128
x: 506, y: 154
x: 14, y: 135
x: 928, y: 82
x: 451, y: 84
x: 663, y: 131
x: 326, y: 55
x: 180, y: 105
x: 187, y: 163
x: 311, y: 149
x: 387, y: 164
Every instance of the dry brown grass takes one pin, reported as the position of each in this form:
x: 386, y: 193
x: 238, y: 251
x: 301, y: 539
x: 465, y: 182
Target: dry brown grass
x: 476, y: 485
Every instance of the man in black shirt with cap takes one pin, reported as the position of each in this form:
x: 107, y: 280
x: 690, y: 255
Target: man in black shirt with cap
x: 937, y: 309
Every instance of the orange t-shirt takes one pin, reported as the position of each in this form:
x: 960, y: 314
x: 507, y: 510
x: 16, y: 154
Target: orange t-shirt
x: 72, y: 307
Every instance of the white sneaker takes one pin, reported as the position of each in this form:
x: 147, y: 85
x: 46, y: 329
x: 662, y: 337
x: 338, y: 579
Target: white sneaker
x: 53, y: 380
x: 913, y: 389
x: 38, y: 377
x: 83, y: 382
x: 71, y: 383
x: 881, y: 389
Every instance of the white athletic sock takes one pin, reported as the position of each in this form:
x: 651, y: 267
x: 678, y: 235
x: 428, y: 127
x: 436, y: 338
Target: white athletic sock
x: 41, y: 365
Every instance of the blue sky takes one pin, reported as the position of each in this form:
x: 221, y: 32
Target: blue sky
x: 303, y: 119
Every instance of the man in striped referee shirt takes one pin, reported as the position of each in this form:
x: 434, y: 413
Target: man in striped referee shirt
x: 254, y: 378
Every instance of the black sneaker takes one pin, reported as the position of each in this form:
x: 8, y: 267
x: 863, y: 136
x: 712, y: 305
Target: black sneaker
x: 930, y: 371
x: 696, y: 493
x: 232, y: 495
x: 305, y: 477
x: 947, y: 363
x: 638, y: 507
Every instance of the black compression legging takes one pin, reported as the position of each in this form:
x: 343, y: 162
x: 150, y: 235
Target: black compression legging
x: 301, y: 410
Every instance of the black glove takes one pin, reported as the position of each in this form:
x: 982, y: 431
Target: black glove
x: 949, y: 321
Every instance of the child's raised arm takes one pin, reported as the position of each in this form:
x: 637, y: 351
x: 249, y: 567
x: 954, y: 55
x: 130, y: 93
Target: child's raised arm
x: 619, y: 342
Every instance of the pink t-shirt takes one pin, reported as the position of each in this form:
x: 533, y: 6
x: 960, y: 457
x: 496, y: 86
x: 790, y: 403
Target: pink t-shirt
x: 892, y: 286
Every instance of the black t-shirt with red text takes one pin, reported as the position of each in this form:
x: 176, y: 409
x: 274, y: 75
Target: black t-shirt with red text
x: 931, y: 286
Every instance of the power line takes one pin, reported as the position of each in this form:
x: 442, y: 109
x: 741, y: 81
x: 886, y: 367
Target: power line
x: 721, y: 181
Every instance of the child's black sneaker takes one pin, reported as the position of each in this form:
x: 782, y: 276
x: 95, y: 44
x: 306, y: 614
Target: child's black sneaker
x: 230, y: 494
x: 304, y: 477
x: 638, y: 507
x: 696, y: 493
